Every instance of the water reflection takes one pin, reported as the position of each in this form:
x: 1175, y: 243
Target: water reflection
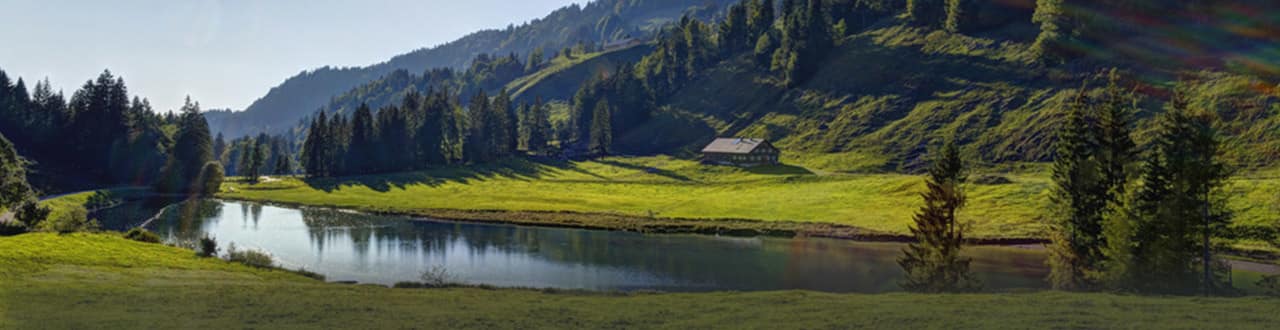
x: 385, y: 250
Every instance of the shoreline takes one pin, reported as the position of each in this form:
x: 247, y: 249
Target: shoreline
x: 655, y: 225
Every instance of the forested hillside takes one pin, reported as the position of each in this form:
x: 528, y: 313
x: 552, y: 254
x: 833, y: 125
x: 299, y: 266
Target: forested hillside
x: 862, y: 85
x: 597, y: 23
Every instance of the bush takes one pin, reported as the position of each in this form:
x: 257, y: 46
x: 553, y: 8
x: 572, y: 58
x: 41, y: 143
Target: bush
x: 252, y: 258
x: 1270, y: 285
x: 142, y: 235
x: 77, y: 220
x: 211, y: 178
x: 307, y: 273
x: 208, y: 247
x: 437, y: 276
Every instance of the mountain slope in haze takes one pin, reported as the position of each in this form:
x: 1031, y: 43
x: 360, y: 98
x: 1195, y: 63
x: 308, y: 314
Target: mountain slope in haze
x: 598, y: 22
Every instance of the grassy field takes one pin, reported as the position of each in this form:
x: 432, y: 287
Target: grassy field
x: 103, y: 281
x: 673, y: 188
x: 664, y: 187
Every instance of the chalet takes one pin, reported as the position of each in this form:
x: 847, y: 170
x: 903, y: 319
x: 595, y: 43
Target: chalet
x: 740, y: 152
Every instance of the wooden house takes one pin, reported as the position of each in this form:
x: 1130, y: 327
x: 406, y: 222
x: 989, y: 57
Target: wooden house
x: 741, y: 152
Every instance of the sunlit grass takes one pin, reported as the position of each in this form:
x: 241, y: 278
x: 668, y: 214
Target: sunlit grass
x: 103, y: 281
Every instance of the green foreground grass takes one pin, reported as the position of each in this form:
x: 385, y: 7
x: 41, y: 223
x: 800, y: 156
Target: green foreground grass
x: 665, y: 187
x: 103, y: 281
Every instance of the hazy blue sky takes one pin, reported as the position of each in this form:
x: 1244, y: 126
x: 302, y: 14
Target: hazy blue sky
x: 226, y: 54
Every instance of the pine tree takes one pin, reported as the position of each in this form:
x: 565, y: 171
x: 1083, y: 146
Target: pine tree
x: 933, y: 263
x: 314, y: 147
x: 192, y: 149
x: 735, y: 34
x: 1079, y: 198
x: 430, y: 138
x: 601, y: 129
x: 1178, y: 207
x: 478, y: 143
x: 364, y: 136
x: 761, y: 18
x: 506, y: 128
x: 539, y: 127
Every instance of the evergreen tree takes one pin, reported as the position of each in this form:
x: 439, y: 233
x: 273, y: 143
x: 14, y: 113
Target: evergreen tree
x: 314, y: 147
x: 539, y: 127
x: 735, y: 34
x: 479, y: 143
x: 601, y: 129
x: 761, y: 18
x: 1177, y: 208
x: 765, y: 48
x: 1079, y: 198
x: 506, y: 129
x: 1115, y: 120
x: 193, y: 148
x: 933, y: 263
x: 430, y: 138
x: 220, y: 149
x: 535, y: 60
x: 360, y: 157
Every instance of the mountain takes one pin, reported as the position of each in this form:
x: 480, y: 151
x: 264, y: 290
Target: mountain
x: 890, y: 88
x: 598, y: 22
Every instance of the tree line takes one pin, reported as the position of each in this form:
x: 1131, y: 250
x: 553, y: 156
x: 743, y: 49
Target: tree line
x: 1124, y: 217
x: 423, y: 131
x: 100, y: 136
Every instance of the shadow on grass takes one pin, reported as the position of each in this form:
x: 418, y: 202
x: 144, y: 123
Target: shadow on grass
x: 779, y: 169
x: 650, y: 170
x: 514, y: 169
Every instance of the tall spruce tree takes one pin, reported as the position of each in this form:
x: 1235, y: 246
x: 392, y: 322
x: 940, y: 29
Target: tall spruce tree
x: 933, y: 263
x: 1078, y: 197
x: 313, y: 148
x: 192, y: 150
x: 539, y: 127
x: 1176, y: 209
x: 601, y: 129
x: 364, y: 136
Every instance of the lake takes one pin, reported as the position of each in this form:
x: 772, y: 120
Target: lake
x: 350, y: 246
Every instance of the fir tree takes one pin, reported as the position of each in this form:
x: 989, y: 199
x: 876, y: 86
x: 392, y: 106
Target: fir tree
x: 314, y: 147
x: 601, y: 129
x: 539, y: 127
x: 1079, y: 198
x: 192, y: 149
x: 933, y: 262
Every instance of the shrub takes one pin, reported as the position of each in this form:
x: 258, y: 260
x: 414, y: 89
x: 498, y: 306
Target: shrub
x: 311, y: 274
x: 252, y: 258
x: 208, y: 247
x: 212, y: 177
x: 437, y: 276
x: 77, y: 220
x: 142, y: 235
x: 1270, y: 285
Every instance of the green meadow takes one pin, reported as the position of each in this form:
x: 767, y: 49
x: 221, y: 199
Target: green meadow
x: 104, y: 281
x: 665, y: 187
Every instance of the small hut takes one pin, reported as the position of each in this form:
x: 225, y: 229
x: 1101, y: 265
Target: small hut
x: 740, y: 152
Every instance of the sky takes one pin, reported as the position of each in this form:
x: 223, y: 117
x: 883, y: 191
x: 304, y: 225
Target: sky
x: 226, y: 54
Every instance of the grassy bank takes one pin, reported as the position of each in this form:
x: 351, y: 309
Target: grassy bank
x: 630, y: 192
x: 102, y: 281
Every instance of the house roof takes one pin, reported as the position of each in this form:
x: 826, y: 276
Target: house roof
x: 734, y: 145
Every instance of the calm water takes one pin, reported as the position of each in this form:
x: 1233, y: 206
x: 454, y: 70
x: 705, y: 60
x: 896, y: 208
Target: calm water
x: 347, y: 246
